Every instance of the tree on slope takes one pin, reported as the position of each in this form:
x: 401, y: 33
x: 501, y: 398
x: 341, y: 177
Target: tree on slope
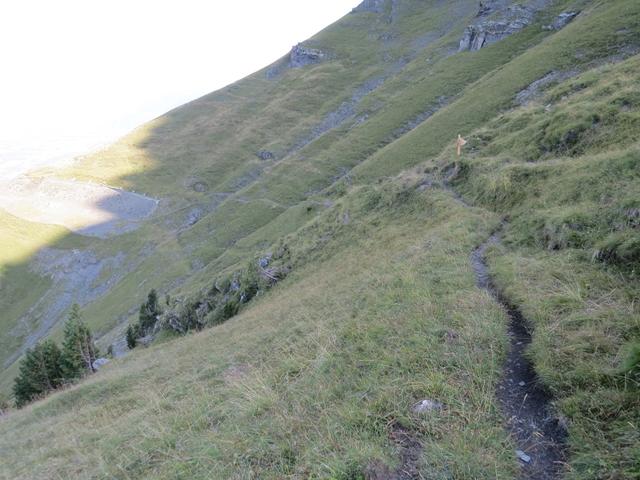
x: 132, y: 336
x: 149, y: 312
x: 78, y: 349
x: 41, y: 371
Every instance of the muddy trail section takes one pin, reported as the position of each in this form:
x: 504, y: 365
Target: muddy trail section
x: 539, y: 437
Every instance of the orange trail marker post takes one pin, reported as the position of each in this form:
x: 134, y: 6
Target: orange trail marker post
x: 461, y: 142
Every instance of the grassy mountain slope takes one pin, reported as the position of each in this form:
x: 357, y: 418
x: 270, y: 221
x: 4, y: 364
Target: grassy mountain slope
x: 316, y: 378
x: 200, y: 159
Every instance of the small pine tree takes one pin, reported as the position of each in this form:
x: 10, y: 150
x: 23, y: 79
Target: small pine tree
x: 149, y: 312
x: 41, y: 371
x: 132, y: 337
x: 78, y: 349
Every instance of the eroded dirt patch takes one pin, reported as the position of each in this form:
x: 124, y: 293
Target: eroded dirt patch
x: 409, y: 452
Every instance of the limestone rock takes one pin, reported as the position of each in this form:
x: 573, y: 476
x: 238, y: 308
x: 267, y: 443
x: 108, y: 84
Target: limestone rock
x: 504, y: 19
x: 523, y: 456
x: 99, y: 363
x: 485, y: 8
x: 535, y: 89
x: 265, y: 155
x: 264, y: 262
x: 426, y: 405
x: 301, y: 56
x: 194, y: 216
x: 487, y: 32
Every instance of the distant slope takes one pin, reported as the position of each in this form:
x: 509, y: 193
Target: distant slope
x: 349, y: 161
x: 203, y: 161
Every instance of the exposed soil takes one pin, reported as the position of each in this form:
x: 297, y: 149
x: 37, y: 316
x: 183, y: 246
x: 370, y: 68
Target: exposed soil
x: 410, y: 451
x: 527, y: 407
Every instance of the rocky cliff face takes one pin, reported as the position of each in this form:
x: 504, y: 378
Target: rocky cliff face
x: 503, y: 22
x: 497, y: 19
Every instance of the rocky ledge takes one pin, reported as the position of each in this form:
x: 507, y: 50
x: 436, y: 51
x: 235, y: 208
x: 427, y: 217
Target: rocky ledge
x: 301, y: 56
x: 507, y: 22
x: 497, y: 19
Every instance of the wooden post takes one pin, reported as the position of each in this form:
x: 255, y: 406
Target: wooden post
x: 461, y: 142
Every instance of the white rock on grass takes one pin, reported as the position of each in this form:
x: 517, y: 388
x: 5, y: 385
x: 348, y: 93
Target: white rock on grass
x: 426, y: 405
x: 99, y: 363
x: 523, y: 456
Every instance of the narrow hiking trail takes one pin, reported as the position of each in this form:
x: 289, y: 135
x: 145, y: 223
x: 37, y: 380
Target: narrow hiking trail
x: 526, y: 406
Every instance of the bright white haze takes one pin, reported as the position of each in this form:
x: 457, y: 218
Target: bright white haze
x: 75, y: 74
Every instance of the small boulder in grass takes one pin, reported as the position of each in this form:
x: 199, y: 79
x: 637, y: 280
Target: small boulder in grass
x: 426, y: 406
x: 523, y: 456
x: 99, y: 363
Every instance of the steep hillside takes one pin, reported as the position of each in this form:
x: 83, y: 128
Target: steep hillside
x: 382, y: 354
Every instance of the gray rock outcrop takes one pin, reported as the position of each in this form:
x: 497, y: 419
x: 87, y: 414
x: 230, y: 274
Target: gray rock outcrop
x: 301, y: 56
x: 485, y: 32
x: 486, y: 7
x: 535, y: 89
x: 194, y: 216
x: 264, y: 262
x: 99, y: 363
x: 265, y: 155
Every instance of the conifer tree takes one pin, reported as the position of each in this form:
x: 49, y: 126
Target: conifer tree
x: 40, y: 372
x: 132, y: 337
x: 149, y: 312
x: 78, y: 349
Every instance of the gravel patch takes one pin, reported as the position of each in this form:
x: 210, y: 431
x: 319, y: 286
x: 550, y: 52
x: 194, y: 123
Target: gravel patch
x: 85, y: 208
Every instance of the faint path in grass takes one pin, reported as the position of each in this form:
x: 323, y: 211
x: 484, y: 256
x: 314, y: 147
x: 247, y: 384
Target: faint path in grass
x: 526, y: 405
